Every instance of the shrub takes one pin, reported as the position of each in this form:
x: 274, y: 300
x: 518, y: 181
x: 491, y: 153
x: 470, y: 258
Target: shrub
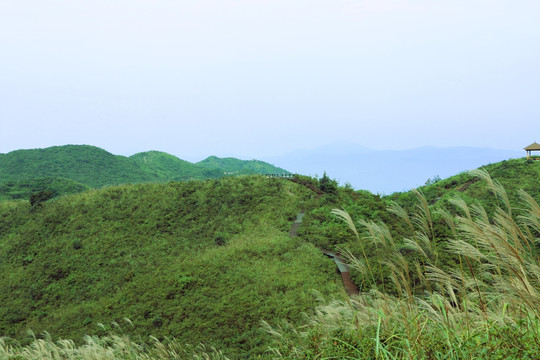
x: 38, y: 198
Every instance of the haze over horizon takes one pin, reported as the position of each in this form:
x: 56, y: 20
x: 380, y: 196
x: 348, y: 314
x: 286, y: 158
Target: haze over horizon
x: 261, y: 79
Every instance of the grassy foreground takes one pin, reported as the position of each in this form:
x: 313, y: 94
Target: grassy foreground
x: 451, y: 279
x: 112, y: 347
x: 473, y: 294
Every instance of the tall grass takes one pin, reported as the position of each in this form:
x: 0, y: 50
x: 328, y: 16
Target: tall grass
x: 112, y: 347
x: 475, y: 293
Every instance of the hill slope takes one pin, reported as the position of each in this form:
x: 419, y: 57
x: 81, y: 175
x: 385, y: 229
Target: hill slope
x: 325, y: 230
x: 86, y: 164
x: 168, y: 167
x: 236, y: 166
x: 513, y: 175
x: 23, y: 189
x: 200, y: 261
x: 206, y: 261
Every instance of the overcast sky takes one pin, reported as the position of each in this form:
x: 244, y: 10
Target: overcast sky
x: 257, y: 78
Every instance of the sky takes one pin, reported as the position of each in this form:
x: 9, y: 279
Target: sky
x: 261, y: 78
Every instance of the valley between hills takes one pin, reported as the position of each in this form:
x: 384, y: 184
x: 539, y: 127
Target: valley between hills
x: 152, y: 257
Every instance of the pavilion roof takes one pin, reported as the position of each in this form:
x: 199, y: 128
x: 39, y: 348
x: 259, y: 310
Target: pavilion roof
x: 533, y: 146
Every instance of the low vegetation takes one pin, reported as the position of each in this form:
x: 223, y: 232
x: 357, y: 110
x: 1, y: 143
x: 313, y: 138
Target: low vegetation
x: 166, y: 167
x: 24, y: 189
x: 474, y: 293
x: 203, y: 262
x: 448, y: 271
x: 237, y: 167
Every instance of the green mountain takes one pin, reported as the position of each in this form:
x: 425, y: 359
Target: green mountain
x: 86, y: 164
x: 168, y: 167
x: 95, y: 167
x: 235, y: 166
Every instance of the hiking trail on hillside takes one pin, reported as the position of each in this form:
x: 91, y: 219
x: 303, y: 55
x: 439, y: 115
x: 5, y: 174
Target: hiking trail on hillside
x: 342, y: 266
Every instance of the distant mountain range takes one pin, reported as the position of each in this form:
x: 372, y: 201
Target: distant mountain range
x: 81, y: 166
x: 379, y: 171
x: 388, y: 171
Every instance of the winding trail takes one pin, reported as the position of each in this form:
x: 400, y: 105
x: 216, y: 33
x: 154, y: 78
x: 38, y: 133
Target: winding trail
x: 342, y: 266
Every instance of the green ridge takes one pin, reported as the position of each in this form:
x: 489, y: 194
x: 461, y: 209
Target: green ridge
x: 168, y: 167
x: 86, y: 164
x: 237, y: 166
x: 513, y: 175
x: 95, y: 167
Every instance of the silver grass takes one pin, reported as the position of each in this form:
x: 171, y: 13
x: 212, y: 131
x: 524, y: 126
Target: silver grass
x: 401, y: 213
x: 465, y: 249
x: 459, y: 203
x: 494, y: 186
x: 448, y: 219
x: 344, y: 215
x: 422, y: 217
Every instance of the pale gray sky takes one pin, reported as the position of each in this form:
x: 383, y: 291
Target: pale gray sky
x: 256, y: 78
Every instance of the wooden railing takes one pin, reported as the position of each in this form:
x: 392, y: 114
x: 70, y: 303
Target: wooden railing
x: 283, y: 175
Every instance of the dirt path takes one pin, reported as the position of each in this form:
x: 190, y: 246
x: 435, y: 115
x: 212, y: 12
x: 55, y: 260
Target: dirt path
x: 296, y: 224
x: 342, y: 266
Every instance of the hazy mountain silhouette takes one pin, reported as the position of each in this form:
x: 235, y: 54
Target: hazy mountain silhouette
x: 387, y: 171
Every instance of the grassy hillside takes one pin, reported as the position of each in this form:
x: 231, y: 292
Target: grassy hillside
x: 472, y: 294
x: 513, y: 175
x: 198, y: 261
x: 23, y: 189
x: 88, y: 165
x: 326, y: 230
x: 237, y: 166
x: 168, y: 167
x: 440, y: 277
x: 453, y: 273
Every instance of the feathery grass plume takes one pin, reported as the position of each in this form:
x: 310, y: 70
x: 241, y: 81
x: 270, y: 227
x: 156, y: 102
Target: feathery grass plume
x: 460, y: 204
x: 111, y: 347
x: 441, y: 277
x: 463, y: 248
x: 344, y: 215
x: 533, y: 208
x: 404, y: 273
x: 479, y: 213
x: 400, y: 277
x: 422, y: 216
x: 412, y: 244
x: 530, y: 220
x: 448, y: 219
x: 494, y: 186
x: 377, y: 234
x: 423, y: 245
x: 285, y: 335
x: 353, y: 261
x: 398, y: 210
x: 488, y: 299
